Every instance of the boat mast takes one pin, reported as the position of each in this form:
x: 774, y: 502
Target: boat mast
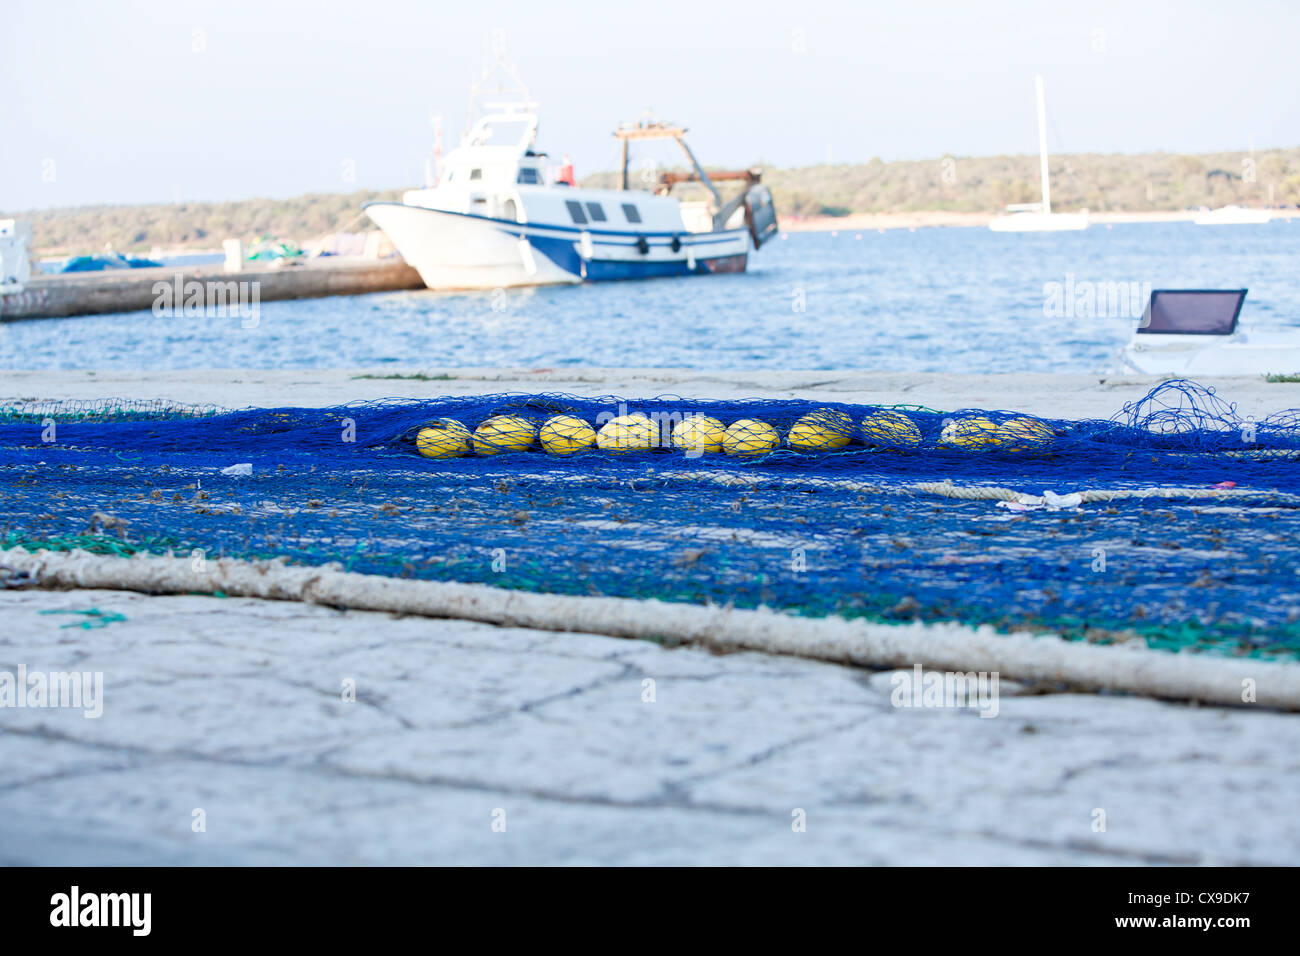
x: 655, y: 130
x: 477, y: 88
x: 1042, y: 146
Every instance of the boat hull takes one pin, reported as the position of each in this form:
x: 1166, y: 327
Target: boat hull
x: 1189, y: 359
x: 454, y: 251
x: 1038, y: 222
x: 1234, y: 216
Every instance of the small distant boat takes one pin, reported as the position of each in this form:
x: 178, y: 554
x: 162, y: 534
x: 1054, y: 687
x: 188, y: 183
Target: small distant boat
x: 106, y: 261
x: 1038, y: 216
x: 1233, y: 216
x: 1187, y: 333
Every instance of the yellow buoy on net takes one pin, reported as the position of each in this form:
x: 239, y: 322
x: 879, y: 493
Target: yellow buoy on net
x: 445, y: 438
x: 890, y: 429
x: 1023, y: 434
x: 972, y: 433
x: 635, y: 432
x: 566, y: 434
x: 699, y: 433
x: 502, y: 433
x: 749, y: 436
x: 823, y: 430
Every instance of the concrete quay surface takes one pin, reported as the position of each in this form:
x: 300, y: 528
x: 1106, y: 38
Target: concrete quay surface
x: 130, y: 290
x: 1050, y: 395
x: 470, y: 744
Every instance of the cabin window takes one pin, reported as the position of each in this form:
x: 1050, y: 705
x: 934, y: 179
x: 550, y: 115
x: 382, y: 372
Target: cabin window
x: 630, y: 212
x: 476, y: 174
x: 529, y: 177
x: 575, y: 212
x: 596, y: 212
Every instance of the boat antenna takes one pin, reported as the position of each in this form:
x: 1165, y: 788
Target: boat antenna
x: 503, y: 72
x: 433, y: 164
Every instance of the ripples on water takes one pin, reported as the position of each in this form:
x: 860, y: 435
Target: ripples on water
x: 955, y: 300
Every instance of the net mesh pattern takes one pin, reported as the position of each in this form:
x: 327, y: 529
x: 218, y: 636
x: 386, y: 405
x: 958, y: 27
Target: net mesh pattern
x: 841, y: 517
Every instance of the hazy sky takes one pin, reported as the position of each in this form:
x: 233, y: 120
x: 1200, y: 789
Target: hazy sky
x: 156, y: 101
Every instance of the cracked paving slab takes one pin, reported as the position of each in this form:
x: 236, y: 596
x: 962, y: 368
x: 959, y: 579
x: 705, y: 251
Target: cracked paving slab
x: 592, y: 750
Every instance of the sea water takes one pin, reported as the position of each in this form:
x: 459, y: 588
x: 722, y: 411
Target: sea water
x: 928, y: 300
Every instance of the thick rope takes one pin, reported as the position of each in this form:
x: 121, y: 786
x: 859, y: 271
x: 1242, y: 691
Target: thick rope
x: 951, y: 647
x: 947, y: 489
x: 1089, y: 495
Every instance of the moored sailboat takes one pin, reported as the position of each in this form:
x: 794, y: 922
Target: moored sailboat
x: 1038, y: 217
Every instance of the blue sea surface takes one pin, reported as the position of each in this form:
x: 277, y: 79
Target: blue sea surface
x: 928, y: 300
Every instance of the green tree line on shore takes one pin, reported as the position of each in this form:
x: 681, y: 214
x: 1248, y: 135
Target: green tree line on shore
x: 1132, y: 183
x: 1102, y: 183
x: 137, y: 229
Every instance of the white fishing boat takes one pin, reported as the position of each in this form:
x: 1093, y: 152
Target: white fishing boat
x: 15, y: 263
x: 497, y: 219
x: 1233, y: 216
x: 1038, y: 216
x: 1186, y: 333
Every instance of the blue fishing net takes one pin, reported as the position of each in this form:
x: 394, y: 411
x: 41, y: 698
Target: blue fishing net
x: 888, y: 513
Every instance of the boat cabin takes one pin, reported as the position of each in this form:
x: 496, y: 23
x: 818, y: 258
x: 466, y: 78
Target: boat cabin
x: 498, y: 173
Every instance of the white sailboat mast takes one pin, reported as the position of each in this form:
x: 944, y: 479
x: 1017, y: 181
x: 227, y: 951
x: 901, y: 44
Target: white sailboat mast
x: 1042, y: 146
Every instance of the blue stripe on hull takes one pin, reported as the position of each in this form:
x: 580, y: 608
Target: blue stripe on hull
x: 564, y: 255
x: 512, y: 228
x: 604, y: 270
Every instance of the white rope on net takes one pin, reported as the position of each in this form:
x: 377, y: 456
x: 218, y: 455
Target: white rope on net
x: 1043, y: 660
x: 945, y: 489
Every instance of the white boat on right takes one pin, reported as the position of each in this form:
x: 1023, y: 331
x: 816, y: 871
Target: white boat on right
x: 1233, y: 215
x: 1186, y: 333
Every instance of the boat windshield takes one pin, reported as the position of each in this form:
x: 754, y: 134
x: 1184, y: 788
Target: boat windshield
x: 507, y: 133
x: 1193, y: 311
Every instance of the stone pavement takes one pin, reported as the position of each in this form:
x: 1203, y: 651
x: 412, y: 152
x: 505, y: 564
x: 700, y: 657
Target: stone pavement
x: 1052, y: 395
x: 468, y: 743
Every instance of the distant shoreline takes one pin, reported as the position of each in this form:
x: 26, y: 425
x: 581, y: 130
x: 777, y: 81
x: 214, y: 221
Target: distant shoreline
x: 880, y: 221
x: 854, y: 222
x: 1158, y: 187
